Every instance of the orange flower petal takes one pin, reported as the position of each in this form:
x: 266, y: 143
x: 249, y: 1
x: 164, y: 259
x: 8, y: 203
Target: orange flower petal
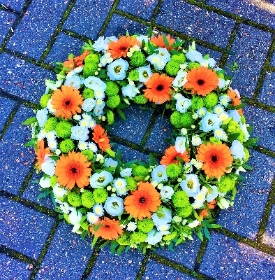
x: 170, y: 156
x: 159, y: 42
x: 101, y: 138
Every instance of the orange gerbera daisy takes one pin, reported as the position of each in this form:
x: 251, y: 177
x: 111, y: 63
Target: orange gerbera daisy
x: 158, y: 88
x: 205, y: 212
x: 107, y: 229
x: 121, y: 46
x: 69, y: 64
x: 66, y: 102
x: 72, y: 170
x: 40, y: 152
x: 170, y: 156
x: 201, y: 81
x: 216, y: 158
x: 101, y: 138
x: 159, y: 42
x: 142, y: 202
x: 235, y: 97
x: 79, y: 59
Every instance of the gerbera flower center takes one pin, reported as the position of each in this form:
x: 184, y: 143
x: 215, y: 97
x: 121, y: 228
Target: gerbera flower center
x: 142, y: 200
x: 67, y: 102
x: 200, y: 82
x: 123, y: 48
x: 214, y: 158
x: 74, y: 170
x: 160, y: 87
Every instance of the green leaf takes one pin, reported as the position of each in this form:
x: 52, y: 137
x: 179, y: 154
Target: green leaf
x: 214, y: 226
x: 152, y: 160
x: 29, y: 121
x: 121, y: 114
x: 43, y: 194
x: 199, y: 234
x: 113, y: 246
x: 206, y: 232
x: 150, y: 31
x: 165, y: 40
x: 94, y: 242
x: 31, y: 143
x: 247, y: 166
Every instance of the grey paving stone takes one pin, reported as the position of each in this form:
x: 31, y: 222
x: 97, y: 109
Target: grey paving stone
x: 245, y: 216
x: 32, y: 192
x: 196, y: 22
x: 256, y: 118
x: 269, y: 235
x: 129, y: 154
x: 225, y: 258
x: 66, y: 257
x: 267, y: 92
x: 184, y: 254
x: 21, y: 78
x: 6, y: 106
x: 249, y: 51
x: 155, y: 270
x: 23, y: 229
x: 134, y: 128
x: 15, y: 160
x: 119, y: 25
x: 87, y: 18
x: 160, y: 134
x: 13, y: 269
x: 6, y: 21
x: 143, y: 8
x: 36, y: 28
x: 13, y: 4
x: 111, y: 266
x: 253, y: 10
x: 63, y: 46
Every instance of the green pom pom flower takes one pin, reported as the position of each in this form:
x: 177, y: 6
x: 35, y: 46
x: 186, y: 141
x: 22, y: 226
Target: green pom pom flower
x: 179, y: 58
x: 113, y: 101
x: 185, y: 212
x: 110, y: 117
x: 211, y: 100
x: 100, y: 195
x: 50, y: 124
x: 138, y: 237
x: 92, y: 58
x: 197, y: 102
x: 111, y: 88
x: 172, y: 68
x: 89, y: 69
x: 88, y: 93
x: 131, y: 183
x: 89, y: 154
x: 74, y: 199
x: 193, y: 65
x: 53, y: 180
x: 140, y: 99
x: 137, y: 59
x: 134, y: 75
x: 145, y: 225
x: 139, y: 172
x: 180, y: 199
x: 66, y: 145
x: 173, y: 170
x: 87, y: 199
x: 63, y: 129
x: 44, y: 100
x: 181, y: 120
x: 123, y: 240
x: 226, y: 183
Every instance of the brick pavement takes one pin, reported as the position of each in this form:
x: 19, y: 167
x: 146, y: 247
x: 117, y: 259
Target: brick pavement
x: 34, y: 34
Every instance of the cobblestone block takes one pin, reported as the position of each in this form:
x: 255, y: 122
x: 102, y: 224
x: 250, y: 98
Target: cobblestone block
x: 6, y: 21
x: 32, y: 192
x: 6, y: 105
x: 13, y: 4
x: 21, y: 78
x: 67, y: 44
x: 119, y: 25
x: 37, y: 26
x: 196, y: 22
x: 138, y: 8
x: 129, y: 154
x: 89, y: 20
x: 267, y: 93
x: 259, y: 11
x: 245, y: 216
x: 23, y: 229
x: 249, y: 50
x: 269, y: 235
x: 225, y: 258
x: 15, y: 159
x: 13, y: 269
x: 256, y: 118
x: 155, y: 270
x: 184, y: 254
x: 161, y: 132
x: 134, y: 128
x: 66, y: 257
x: 111, y: 266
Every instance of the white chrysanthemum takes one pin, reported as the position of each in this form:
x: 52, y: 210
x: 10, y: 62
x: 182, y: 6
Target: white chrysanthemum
x: 45, y: 182
x: 183, y: 131
x: 199, y: 200
x: 196, y: 163
x: 92, y: 146
x: 131, y: 226
x: 59, y: 191
x: 188, y: 168
x: 82, y: 145
x: 196, y: 140
x: 218, y: 109
x: 92, y: 218
x: 42, y: 134
x: 180, y: 144
x: 98, y: 210
x: 51, y: 136
x: 194, y: 224
x: 99, y: 94
x: 223, y: 116
x: 88, y: 104
x: 50, y: 107
x: 220, y: 134
x: 52, y: 145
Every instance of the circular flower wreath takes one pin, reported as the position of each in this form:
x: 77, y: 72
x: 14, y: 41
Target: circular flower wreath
x: 136, y: 204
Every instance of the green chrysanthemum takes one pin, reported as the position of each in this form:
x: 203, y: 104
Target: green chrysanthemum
x: 63, y: 129
x: 87, y: 199
x: 112, y: 88
x: 184, y: 212
x: 172, y: 68
x: 92, y: 58
x: 66, y: 146
x: 214, y: 140
x: 180, y: 199
x: 145, y: 225
x: 50, y: 124
x: 134, y: 75
x: 193, y: 65
x: 138, y: 237
x: 197, y: 102
x: 100, y: 195
x: 88, y: 93
x: 139, y: 172
x: 180, y: 58
x: 226, y: 183
x: 140, y: 99
x: 181, y: 120
x: 131, y: 183
x: 110, y: 117
x: 44, y: 100
x: 53, y: 180
x: 74, y: 199
x: 123, y: 240
x: 173, y: 170
x: 137, y: 59
x: 89, y: 154
x: 211, y: 100
x: 89, y: 69
x: 113, y: 101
